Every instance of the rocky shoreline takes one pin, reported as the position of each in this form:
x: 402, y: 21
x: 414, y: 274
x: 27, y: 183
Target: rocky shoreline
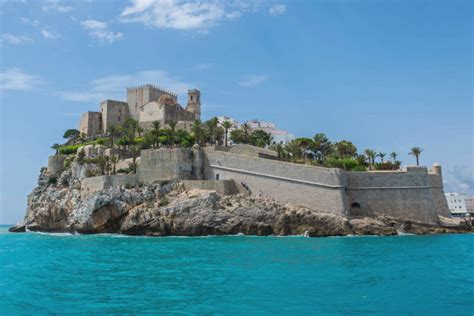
x: 166, y: 208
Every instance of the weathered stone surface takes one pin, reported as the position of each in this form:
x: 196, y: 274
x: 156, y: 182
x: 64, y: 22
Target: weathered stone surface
x: 167, y: 208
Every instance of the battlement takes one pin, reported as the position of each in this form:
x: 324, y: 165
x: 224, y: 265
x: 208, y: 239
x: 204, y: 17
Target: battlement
x: 148, y: 86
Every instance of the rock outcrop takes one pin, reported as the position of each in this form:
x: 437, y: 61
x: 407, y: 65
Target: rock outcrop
x: 166, y: 208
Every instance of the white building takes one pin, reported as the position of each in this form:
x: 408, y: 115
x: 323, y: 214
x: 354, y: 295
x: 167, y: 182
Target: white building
x: 281, y: 137
x: 278, y: 136
x: 456, y: 203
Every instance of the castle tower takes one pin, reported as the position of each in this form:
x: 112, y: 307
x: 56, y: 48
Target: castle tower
x: 194, y: 103
x: 139, y: 96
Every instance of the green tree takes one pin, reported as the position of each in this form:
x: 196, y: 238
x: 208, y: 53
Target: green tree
x: 71, y: 134
x: 102, y: 162
x: 371, y: 154
x: 416, y: 151
x: 131, y: 127
x: 114, y: 159
x: 135, y: 149
x: 246, y: 130
x: 381, y: 156
x: 211, y: 126
x: 322, y: 147
x: 226, y: 125
x: 260, y: 138
x: 171, y: 133
x: 197, y: 129
x: 294, y: 150
x: 345, y: 149
x: 237, y: 136
x: 113, y: 131
x: 393, y: 156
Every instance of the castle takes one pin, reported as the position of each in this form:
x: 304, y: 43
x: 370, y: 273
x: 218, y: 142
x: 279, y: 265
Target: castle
x: 145, y: 104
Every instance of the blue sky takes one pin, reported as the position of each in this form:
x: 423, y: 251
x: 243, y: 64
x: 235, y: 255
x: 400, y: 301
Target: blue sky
x: 386, y: 75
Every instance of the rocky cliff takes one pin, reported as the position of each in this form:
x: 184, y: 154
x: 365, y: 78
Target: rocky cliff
x: 166, y: 208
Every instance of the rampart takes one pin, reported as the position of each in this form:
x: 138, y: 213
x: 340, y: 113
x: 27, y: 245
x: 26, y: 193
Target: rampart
x: 165, y: 164
x: 94, y: 184
x: 318, y: 188
x: 414, y: 194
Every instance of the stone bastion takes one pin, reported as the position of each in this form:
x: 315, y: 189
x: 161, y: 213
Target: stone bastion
x: 414, y: 194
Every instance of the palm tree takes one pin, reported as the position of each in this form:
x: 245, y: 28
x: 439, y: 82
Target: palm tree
x: 156, y: 125
x: 198, y: 131
x: 114, y: 159
x: 416, y: 151
x: 246, y: 132
x: 394, y: 156
x: 171, y: 133
x: 371, y: 154
x: 381, y: 155
x: 112, y: 132
x: 226, y: 125
x: 212, y: 128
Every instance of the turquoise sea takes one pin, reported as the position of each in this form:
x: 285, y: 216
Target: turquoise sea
x: 113, y: 274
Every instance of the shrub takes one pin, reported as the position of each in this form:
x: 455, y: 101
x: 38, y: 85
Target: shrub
x: 43, y: 169
x: 164, y: 201
x: 387, y: 165
x: 359, y: 168
x: 91, y: 173
x: 69, y: 150
x: 68, y: 161
x: 53, y: 180
x: 342, y: 163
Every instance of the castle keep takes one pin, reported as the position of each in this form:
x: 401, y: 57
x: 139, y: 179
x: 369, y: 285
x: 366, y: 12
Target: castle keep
x: 145, y: 104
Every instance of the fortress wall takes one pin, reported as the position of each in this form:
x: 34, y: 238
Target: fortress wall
x: 412, y: 195
x: 160, y: 164
x: 224, y: 187
x: 113, y: 113
x: 317, y: 188
x: 152, y: 111
x: 94, y: 184
x: 90, y: 123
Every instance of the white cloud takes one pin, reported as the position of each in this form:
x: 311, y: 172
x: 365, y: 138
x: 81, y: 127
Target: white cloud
x: 49, y: 35
x: 27, y: 21
x: 16, y: 79
x: 277, y: 9
x: 186, y: 15
x: 55, y: 6
x: 461, y: 179
x: 114, y: 86
x: 100, y: 31
x: 15, y: 39
x: 253, y: 80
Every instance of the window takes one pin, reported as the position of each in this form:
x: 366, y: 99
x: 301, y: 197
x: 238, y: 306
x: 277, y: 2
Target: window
x: 217, y: 176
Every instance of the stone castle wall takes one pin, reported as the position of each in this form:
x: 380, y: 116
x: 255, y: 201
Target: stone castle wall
x: 317, y: 188
x: 414, y: 194
x: 113, y: 113
x: 95, y: 184
x: 165, y: 164
x: 90, y: 123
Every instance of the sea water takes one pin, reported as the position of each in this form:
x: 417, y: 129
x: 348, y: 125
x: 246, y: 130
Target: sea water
x: 114, y: 274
